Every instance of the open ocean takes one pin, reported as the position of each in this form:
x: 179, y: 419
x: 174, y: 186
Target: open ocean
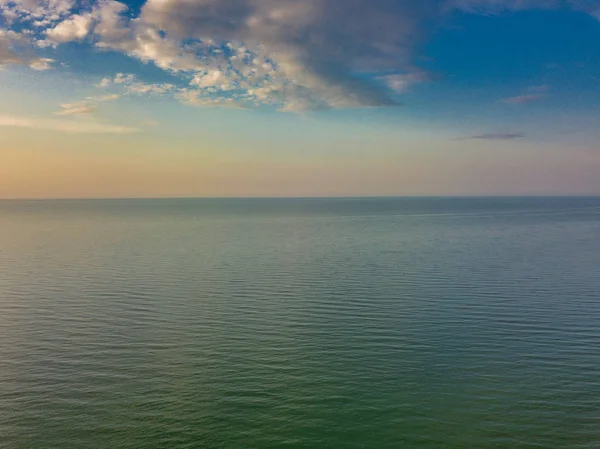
x: 300, y: 323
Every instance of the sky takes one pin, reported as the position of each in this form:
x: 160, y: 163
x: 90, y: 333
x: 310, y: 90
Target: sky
x: 244, y: 98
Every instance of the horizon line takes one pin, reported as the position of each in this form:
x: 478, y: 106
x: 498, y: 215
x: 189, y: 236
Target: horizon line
x: 340, y: 197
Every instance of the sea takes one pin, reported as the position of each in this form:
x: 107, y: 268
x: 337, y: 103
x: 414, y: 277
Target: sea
x: 300, y: 323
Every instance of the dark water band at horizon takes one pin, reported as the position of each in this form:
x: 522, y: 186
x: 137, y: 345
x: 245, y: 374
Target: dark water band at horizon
x: 267, y: 323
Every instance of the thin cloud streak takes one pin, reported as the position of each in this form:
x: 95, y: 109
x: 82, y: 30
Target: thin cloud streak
x: 524, y: 99
x: 494, y: 136
x: 64, y: 125
x: 531, y: 95
x: 76, y: 109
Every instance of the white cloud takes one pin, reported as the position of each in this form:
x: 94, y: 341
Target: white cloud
x: 531, y: 95
x: 196, y: 98
x: 38, y: 9
x: 74, y: 28
x: 122, y: 78
x: 76, y: 109
x: 9, y: 14
x: 213, y: 77
x: 522, y: 99
x: 143, y: 88
x: 104, y: 82
x: 63, y: 125
x: 404, y: 81
x: 111, y: 25
x: 40, y: 64
x: 131, y: 85
x: 103, y: 98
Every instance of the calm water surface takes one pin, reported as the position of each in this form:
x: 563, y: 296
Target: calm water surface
x: 355, y: 323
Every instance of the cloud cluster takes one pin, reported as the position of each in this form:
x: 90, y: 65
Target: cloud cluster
x: 130, y: 85
x: 289, y: 54
x: 9, y: 42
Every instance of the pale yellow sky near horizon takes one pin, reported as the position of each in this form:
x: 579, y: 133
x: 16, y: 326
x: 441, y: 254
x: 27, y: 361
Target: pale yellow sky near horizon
x: 47, y: 164
x: 179, y: 151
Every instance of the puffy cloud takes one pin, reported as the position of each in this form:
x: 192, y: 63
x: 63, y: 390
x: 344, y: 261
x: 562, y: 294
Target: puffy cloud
x: 319, y: 46
x: 74, y: 28
x: 210, y: 78
x: 122, y: 78
x: 8, y: 14
x: 64, y: 125
x: 37, y: 9
x: 40, y: 63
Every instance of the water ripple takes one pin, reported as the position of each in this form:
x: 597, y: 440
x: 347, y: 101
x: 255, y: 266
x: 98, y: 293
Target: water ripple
x: 333, y: 323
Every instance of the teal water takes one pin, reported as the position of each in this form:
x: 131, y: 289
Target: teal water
x: 354, y: 323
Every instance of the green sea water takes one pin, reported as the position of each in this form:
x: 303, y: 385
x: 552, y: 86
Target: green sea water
x: 305, y: 323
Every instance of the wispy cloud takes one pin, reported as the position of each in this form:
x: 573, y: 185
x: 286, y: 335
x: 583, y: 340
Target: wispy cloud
x: 103, y: 98
x: 195, y: 99
x: 497, y: 6
x: 76, y: 109
x: 88, y: 107
x: 494, y: 136
x: 131, y: 85
x: 404, y: 81
x: 523, y: 99
x: 531, y: 95
x: 64, y: 125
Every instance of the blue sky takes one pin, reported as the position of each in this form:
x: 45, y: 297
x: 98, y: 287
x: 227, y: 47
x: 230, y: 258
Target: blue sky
x: 503, y: 93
